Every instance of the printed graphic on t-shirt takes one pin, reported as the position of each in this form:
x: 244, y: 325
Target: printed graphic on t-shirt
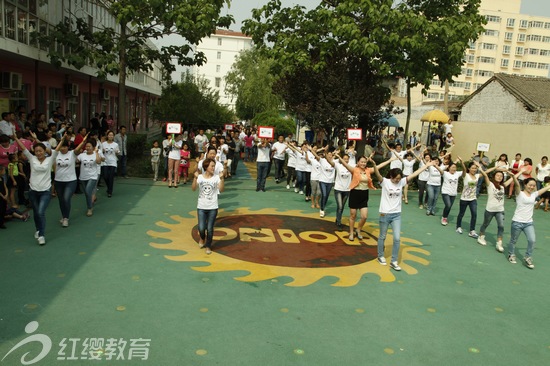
x: 63, y: 162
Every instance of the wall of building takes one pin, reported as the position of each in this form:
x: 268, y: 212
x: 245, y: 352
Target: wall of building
x: 496, y: 105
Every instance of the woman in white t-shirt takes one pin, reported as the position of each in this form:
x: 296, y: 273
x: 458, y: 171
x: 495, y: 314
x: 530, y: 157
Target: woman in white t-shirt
x: 468, y: 198
x: 315, y: 175
x: 174, y: 156
x: 390, y: 209
x: 342, y: 182
x: 110, y: 150
x: 326, y: 178
x: 449, y: 189
x: 209, y: 186
x: 495, y: 206
x: 434, y: 186
x: 542, y: 170
x: 291, y: 166
x: 40, y: 183
x: 65, y: 177
x: 89, y: 161
x: 523, y: 218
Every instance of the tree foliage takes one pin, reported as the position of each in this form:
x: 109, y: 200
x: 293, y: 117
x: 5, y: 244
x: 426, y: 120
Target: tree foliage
x: 415, y: 39
x: 191, y: 101
x: 282, y: 125
x: 251, y: 82
x: 124, y: 48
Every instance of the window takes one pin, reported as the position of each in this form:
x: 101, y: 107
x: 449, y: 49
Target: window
x: 544, y: 52
x: 517, y: 64
x: 491, y: 32
x: 533, y: 51
x: 470, y: 59
x: 504, y: 62
x: 543, y: 66
x: 519, y: 51
x: 510, y: 22
x: 521, y: 37
x: 488, y: 46
x: 546, y: 39
x: 469, y: 72
x: 505, y: 50
x: 433, y: 95
x: 536, y: 24
x: 218, y: 68
x: 218, y: 82
x: 477, y: 85
x: 485, y: 60
x: 492, y: 18
x: 534, y: 37
x: 219, y: 55
x: 508, y: 36
x: 523, y: 24
x: 529, y: 65
x: 467, y: 85
x: 219, y: 41
x: 472, y: 45
x: 547, y: 25
x: 485, y: 73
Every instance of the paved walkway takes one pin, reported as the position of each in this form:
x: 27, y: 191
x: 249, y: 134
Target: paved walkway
x: 283, y: 286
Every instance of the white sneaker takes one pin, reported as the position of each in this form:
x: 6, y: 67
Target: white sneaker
x: 444, y: 221
x: 295, y: 190
x: 529, y: 262
x: 301, y: 192
x: 65, y: 223
x: 473, y: 234
x: 321, y: 213
x: 287, y: 186
x: 395, y: 266
x: 36, y: 234
x: 41, y: 240
x: 382, y: 261
x: 481, y: 240
x: 499, y: 247
x: 459, y: 230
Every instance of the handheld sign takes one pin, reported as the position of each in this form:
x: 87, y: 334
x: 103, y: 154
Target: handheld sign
x: 228, y: 127
x: 173, y: 128
x: 484, y: 147
x: 265, y: 132
x: 355, y: 133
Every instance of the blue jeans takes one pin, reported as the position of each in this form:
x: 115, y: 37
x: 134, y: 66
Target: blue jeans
x: 88, y: 186
x: 249, y: 154
x: 473, y: 213
x: 207, y: 218
x: 109, y: 176
x: 479, y: 185
x: 39, y: 202
x: 433, y: 194
x: 393, y: 219
x: 341, y: 199
x: 499, y: 216
x: 263, y: 169
x: 65, y: 191
x: 325, y: 193
x: 448, y: 201
x: 122, y: 165
x: 529, y: 230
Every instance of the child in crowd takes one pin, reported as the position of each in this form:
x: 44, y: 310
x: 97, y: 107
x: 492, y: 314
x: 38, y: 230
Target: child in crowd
x: 155, y: 158
x: 184, y: 162
x: 545, y: 197
x: 13, y: 173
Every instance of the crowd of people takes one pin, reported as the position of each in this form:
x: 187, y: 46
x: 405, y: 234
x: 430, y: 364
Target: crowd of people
x: 311, y: 170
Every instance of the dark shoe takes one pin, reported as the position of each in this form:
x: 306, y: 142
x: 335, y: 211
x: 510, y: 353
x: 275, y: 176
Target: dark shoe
x: 3, y: 226
x: 109, y: 195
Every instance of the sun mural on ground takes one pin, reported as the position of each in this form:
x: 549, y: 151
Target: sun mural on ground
x: 269, y: 244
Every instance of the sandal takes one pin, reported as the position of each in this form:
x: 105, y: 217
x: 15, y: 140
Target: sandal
x: 358, y: 234
x: 350, y: 237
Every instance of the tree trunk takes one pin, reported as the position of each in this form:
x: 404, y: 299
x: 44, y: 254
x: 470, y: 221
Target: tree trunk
x: 408, y: 112
x: 122, y: 116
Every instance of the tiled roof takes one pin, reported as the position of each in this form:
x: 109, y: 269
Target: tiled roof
x: 225, y: 32
x: 534, y: 93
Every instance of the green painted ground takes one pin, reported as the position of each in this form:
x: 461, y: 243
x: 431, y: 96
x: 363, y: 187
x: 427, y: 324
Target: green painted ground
x: 100, y: 278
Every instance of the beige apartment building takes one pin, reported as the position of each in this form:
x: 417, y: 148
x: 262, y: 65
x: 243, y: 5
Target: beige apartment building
x: 513, y: 43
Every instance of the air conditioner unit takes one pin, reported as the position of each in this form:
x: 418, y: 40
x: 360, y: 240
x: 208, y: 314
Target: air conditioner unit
x: 104, y: 94
x: 12, y: 80
x: 71, y: 90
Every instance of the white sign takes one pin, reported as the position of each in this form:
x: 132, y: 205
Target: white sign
x: 228, y: 127
x: 173, y: 127
x: 265, y: 132
x: 355, y: 133
x: 481, y: 146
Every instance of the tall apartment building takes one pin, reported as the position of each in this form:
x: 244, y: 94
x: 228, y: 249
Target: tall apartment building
x: 221, y: 49
x: 513, y: 43
x: 29, y: 80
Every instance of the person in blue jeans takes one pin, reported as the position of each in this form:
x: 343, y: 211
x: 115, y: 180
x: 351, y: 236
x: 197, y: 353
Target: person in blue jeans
x: 390, y: 209
x: 262, y: 163
x: 209, y: 185
x: 523, y: 218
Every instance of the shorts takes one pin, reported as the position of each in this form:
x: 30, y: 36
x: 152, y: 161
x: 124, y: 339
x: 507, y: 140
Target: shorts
x: 358, y: 198
x: 315, y: 191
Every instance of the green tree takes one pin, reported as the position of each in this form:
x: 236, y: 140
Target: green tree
x: 416, y: 39
x: 191, y: 101
x: 251, y: 82
x: 123, y: 48
x: 282, y: 125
